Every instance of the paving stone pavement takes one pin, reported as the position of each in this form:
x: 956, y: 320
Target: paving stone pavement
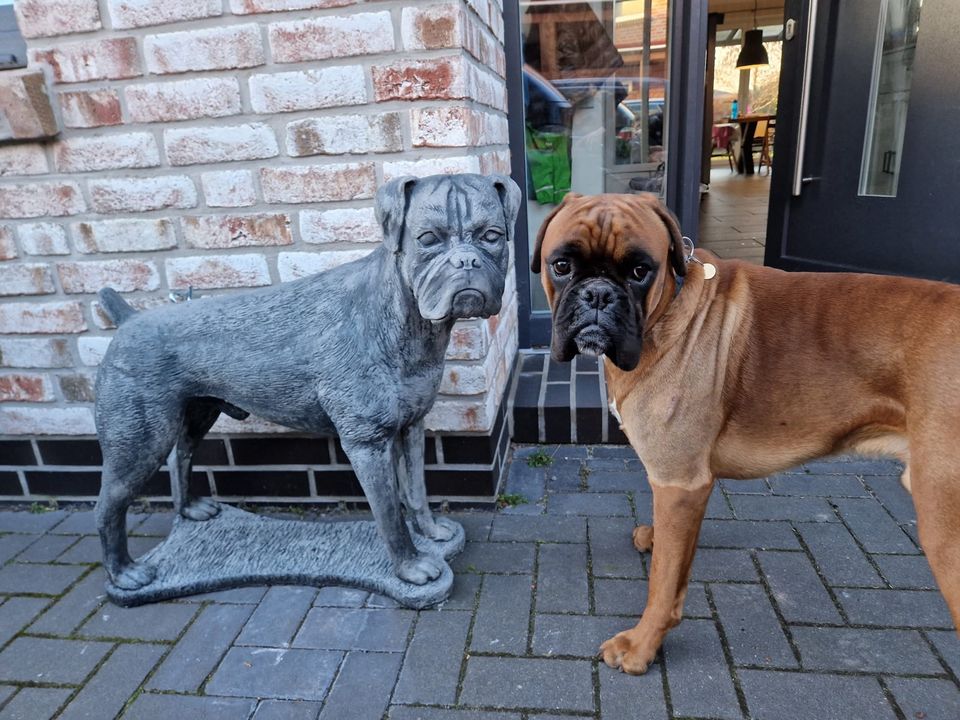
x: 810, y: 599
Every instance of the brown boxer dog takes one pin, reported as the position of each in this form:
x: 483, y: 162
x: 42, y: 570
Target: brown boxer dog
x: 720, y: 368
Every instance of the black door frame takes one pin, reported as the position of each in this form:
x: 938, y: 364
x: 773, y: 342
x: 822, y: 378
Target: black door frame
x: 687, y: 43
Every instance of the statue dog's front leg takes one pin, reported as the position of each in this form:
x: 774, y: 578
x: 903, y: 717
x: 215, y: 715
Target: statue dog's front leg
x: 376, y: 472
x: 412, y: 485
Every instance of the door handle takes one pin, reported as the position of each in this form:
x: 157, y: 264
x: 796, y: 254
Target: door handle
x: 798, y: 178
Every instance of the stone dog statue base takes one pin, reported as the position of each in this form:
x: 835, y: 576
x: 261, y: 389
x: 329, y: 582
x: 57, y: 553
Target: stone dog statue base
x: 357, y: 351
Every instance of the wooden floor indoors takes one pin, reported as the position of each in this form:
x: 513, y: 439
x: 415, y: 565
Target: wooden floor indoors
x: 733, y: 214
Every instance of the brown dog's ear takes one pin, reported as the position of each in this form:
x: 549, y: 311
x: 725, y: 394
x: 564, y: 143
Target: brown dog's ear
x: 391, y: 209
x: 535, y: 261
x: 510, y: 198
x: 677, y: 253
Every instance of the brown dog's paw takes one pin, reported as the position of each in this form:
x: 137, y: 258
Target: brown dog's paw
x: 630, y: 651
x: 643, y: 538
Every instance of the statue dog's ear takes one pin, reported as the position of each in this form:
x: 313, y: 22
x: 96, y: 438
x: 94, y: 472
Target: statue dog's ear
x: 391, y: 209
x: 510, y: 198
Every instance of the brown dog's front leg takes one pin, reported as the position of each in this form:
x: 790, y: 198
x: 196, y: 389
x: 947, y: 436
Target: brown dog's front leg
x: 677, y: 514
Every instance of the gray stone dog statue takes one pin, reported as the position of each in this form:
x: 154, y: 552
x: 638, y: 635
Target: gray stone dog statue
x: 357, y: 351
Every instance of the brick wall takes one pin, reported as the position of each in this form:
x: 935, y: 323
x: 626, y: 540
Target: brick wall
x: 231, y: 144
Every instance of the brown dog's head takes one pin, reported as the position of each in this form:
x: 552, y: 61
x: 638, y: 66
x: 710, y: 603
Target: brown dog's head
x: 604, y: 260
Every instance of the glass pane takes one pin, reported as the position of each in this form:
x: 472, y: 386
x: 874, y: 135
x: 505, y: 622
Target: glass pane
x: 889, y: 96
x: 594, y: 79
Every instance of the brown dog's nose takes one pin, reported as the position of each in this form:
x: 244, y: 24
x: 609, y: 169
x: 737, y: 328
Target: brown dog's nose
x: 464, y: 260
x: 596, y: 296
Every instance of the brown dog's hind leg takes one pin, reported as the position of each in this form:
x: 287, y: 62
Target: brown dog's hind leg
x: 643, y: 537
x: 677, y: 515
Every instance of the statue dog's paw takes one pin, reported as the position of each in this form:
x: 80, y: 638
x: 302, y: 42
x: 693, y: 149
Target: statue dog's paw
x: 439, y: 529
x: 200, y: 509
x: 134, y: 576
x: 420, y: 570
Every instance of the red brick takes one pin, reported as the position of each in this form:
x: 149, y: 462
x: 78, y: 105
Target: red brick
x: 233, y: 231
x: 127, y: 235
x: 26, y: 279
x: 495, y: 162
x: 224, y: 271
x: 340, y: 225
x: 25, y: 109
x: 76, y: 387
x: 8, y: 248
x: 183, y: 99
x: 44, y: 198
x: 431, y: 166
x: 308, y: 89
x: 127, y: 14
x: 457, y: 127
x: 121, y: 275
x: 331, y: 36
x: 318, y: 183
x: 224, y: 48
x: 106, y: 59
x: 188, y: 146
x: 84, y: 153
x: 452, y: 414
x: 34, y: 353
x: 28, y: 159
x: 20, y: 387
x: 246, y: 7
x: 295, y: 265
x: 45, y: 18
x: 436, y: 79
x: 43, y: 239
x: 111, y: 195
x: 467, y: 341
x: 90, y: 108
x: 91, y: 349
x: 47, y: 421
x: 343, y: 134
x: 432, y: 27
x: 103, y: 321
x: 228, y: 188
x: 33, y: 318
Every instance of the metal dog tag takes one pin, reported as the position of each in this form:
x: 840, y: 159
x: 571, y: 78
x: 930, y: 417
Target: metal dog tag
x: 709, y: 271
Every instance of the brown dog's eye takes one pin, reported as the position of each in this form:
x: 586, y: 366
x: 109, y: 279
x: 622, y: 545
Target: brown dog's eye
x: 561, y: 267
x: 640, y: 272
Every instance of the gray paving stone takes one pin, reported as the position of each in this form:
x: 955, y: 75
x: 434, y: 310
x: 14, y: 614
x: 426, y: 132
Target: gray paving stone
x: 620, y: 481
x: 837, y: 554
x: 35, y: 703
x: 873, y: 527
x: 200, y: 649
x: 566, y: 476
x: 476, y: 525
x: 613, y: 596
x: 80, y: 522
x: 503, y: 615
x: 611, y: 548
x: 405, y: 712
x: 87, y: 550
x: 781, y: 507
x: 717, y: 507
x: 543, y: 528
x: 105, y: 694
x: 16, y: 613
x: 700, y: 683
x: 590, y: 504
x: 751, y: 627
x: 711, y: 564
x: 574, y: 635
x: 277, y: 617
x: 894, y: 498
x: 906, y: 608
x: 528, y: 683
x: 382, y: 602
x: 526, y: 481
x: 695, y: 604
x: 6, y: 691
x: 465, y: 590
x: 775, y: 695
x: 287, y: 710
x: 926, y: 698
x: 279, y: 673
x: 897, y: 651
x: 181, y: 707
x: 20, y: 521
x: 489, y: 557
x: 748, y: 534
x: 156, y: 524
x: 611, y: 464
x: 632, y: 696
x: 431, y: 666
x: 849, y: 465
x: 362, y: 688
x: 235, y: 596
x: 38, y: 579
x: 562, y: 579
x: 71, y: 609
x: 340, y: 597
x: 797, y: 589
x: 12, y: 545
x: 948, y: 645
x: 160, y: 621
x: 67, y: 662
x: 823, y: 485
x: 906, y: 571
x: 619, y: 452
x: 355, y: 629
x: 758, y: 486
x: 46, y: 549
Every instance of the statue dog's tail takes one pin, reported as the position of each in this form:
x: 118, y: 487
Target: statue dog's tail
x: 116, y: 308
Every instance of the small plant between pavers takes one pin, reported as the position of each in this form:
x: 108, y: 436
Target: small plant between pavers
x: 37, y: 508
x: 510, y: 500
x: 539, y: 459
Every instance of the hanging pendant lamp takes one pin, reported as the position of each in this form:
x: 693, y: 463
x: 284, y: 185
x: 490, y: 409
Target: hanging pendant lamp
x: 753, y: 53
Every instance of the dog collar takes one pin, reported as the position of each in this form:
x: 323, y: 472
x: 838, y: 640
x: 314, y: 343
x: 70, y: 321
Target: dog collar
x: 709, y: 269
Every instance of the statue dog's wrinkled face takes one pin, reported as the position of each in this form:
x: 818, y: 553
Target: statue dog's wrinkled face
x: 451, y: 234
x: 605, y: 261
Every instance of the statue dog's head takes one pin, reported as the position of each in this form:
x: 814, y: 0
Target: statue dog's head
x: 605, y: 262
x: 451, y: 235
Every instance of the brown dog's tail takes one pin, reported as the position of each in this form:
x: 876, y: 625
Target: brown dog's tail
x: 116, y: 308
